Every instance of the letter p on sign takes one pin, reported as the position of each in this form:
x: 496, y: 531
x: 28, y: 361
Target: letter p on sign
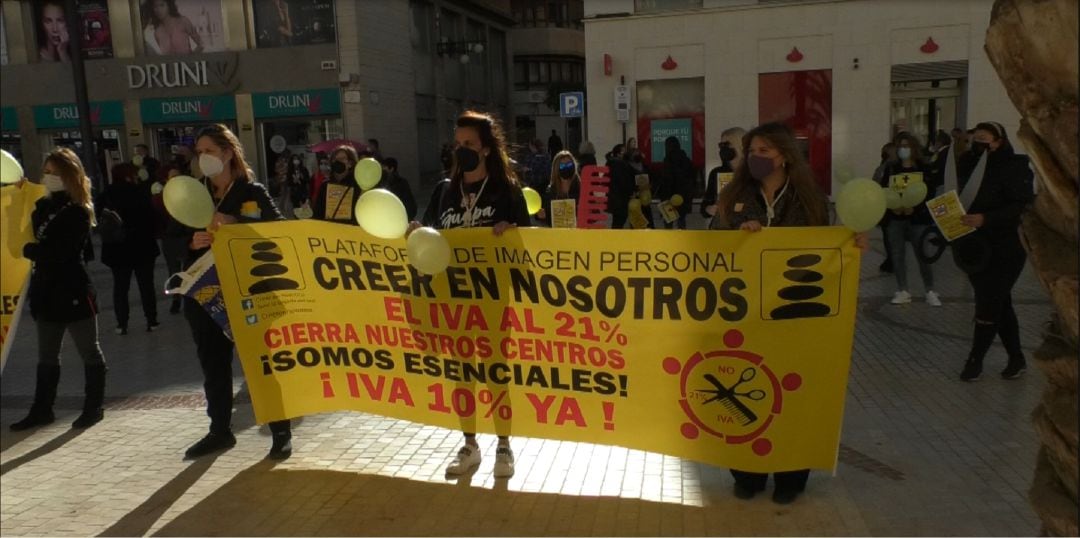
x: 572, y: 104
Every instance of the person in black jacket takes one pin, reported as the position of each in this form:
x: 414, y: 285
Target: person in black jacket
x: 906, y: 225
x: 62, y: 298
x: 730, y: 146
x: 237, y: 199
x: 137, y: 251
x: 565, y: 184
x: 398, y: 185
x: 773, y: 186
x: 482, y: 192
x: 679, y: 177
x: 993, y: 256
x: 337, y: 196
x: 622, y: 187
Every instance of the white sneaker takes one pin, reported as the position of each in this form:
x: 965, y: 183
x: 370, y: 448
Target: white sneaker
x: 504, y: 462
x: 932, y: 299
x: 901, y: 297
x: 468, y: 457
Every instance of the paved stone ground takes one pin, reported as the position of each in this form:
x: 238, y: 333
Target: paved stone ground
x: 922, y: 452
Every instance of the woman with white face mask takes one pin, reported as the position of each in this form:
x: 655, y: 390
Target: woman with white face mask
x: 237, y: 199
x: 62, y: 298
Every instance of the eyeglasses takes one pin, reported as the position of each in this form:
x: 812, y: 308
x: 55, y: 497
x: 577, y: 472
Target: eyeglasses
x: 566, y: 166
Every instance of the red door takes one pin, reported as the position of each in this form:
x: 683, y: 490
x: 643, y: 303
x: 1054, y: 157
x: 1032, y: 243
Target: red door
x: 803, y: 101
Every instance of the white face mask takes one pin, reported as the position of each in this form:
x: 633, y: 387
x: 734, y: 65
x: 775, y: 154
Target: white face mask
x: 52, y: 182
x: 210, y: 165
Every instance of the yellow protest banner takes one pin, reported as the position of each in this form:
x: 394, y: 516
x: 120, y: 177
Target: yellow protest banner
x: 730, y: 348
x: 16, y: 204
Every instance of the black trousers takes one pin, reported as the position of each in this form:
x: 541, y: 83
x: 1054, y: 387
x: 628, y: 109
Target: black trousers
x: 215, y: 353
x: 994, y: 313
x: 618, y: 220
x: 144, y: 278
x: 785, y: 481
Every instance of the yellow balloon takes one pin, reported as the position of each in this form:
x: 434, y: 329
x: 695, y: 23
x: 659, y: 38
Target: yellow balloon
x: 10, y: 169
x: 382, y: 214
x: 188, y: 201
x: 532, y: 200
x: 913, y: 195
x: 645, y: 196
x: 860, y: 204
x: 368, y: 173
x: 676, y: 200
x: 634, y: 205
x: 892, y: 198
x: 428, y: 250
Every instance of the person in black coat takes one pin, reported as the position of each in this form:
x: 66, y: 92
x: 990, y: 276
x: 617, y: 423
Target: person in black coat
x: 398, y: 185
x: 679, y: 176
x: 342, y: 184
x: 565, y: 185
x: 622, y: 187
x: 62, y: 298
x: 237, y: 198
x: 137, y: 250
x: 993, y: 256
x: 729, y: 147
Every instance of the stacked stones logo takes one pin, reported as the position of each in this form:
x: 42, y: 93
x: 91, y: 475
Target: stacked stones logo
x: 731, y: 394
x: 800, y: 283
x: 266, y: 265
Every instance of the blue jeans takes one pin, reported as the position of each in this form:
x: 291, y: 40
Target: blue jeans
x: 901, y: 232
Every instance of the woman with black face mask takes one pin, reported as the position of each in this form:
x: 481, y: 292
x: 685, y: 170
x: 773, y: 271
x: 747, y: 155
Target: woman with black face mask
x: 995, y: 187
x: 565, y: 185
x: 337, y: 196
x: 730, y: 144
x: 773, y: 186
x: 482, y: 192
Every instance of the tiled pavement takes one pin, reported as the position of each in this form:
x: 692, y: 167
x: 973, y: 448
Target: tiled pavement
x: 922, y: 453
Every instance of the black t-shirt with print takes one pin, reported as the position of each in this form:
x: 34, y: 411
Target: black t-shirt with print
x: 494, y: 202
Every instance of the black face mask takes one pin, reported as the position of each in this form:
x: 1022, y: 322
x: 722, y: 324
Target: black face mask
x: 727, y: 154
x: 977, y: 148
x: 467, y: 159
x: 567, y: 172
x: 338, y: 167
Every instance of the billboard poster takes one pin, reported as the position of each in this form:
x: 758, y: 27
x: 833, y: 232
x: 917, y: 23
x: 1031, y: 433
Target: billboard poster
x: 171, y: 27
x: 54, y: 36
x: 96, y: 36
x: 283, y: 23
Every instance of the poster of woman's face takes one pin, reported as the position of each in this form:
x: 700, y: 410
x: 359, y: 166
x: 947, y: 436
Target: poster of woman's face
x: 281, y: 23
x: 182, y: 26
x: 52, y: 31
x: 54, y: 36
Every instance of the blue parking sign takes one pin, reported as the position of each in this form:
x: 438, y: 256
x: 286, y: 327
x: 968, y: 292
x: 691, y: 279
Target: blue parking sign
x: 572, y: 104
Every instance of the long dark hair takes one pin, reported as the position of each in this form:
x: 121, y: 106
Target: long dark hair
x: 148, y: 11
x: 800, y: 177
x: 223, y: 138
x: 913, y: 143
x: 491, y: 137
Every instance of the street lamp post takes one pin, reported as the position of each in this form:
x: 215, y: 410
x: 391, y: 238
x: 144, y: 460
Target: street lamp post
x: 82, y: 101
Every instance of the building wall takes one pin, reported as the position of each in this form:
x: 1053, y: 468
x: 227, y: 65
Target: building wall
x: 730, y: 46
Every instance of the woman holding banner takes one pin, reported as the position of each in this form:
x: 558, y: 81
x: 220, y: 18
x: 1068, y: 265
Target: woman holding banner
x: 565, y: 184
x: 482, y: 192
x: 998, y: 188
x: 62, y: 298
x: 337, y: 197
x: 773, y: 186
x: 237, y: 198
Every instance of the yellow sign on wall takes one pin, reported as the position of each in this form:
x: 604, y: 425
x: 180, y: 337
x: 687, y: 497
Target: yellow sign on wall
x: 730, y: 348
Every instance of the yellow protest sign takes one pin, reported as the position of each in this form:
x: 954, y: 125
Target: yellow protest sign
x: 730, y: 348
x: 339, y: 202
x: 722, y: 179
x: 947, y: 212
x: 564, y: 213
x: 16, y: 204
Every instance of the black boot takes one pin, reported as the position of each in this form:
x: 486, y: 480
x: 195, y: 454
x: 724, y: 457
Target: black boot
x: 95, y: 396
x: 41, y: 412
x: 1016, y: 367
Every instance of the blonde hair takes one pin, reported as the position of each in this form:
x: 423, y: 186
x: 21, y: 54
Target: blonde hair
x: 70, y: 169
x: 734, y: 138
x: 553, y: 183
